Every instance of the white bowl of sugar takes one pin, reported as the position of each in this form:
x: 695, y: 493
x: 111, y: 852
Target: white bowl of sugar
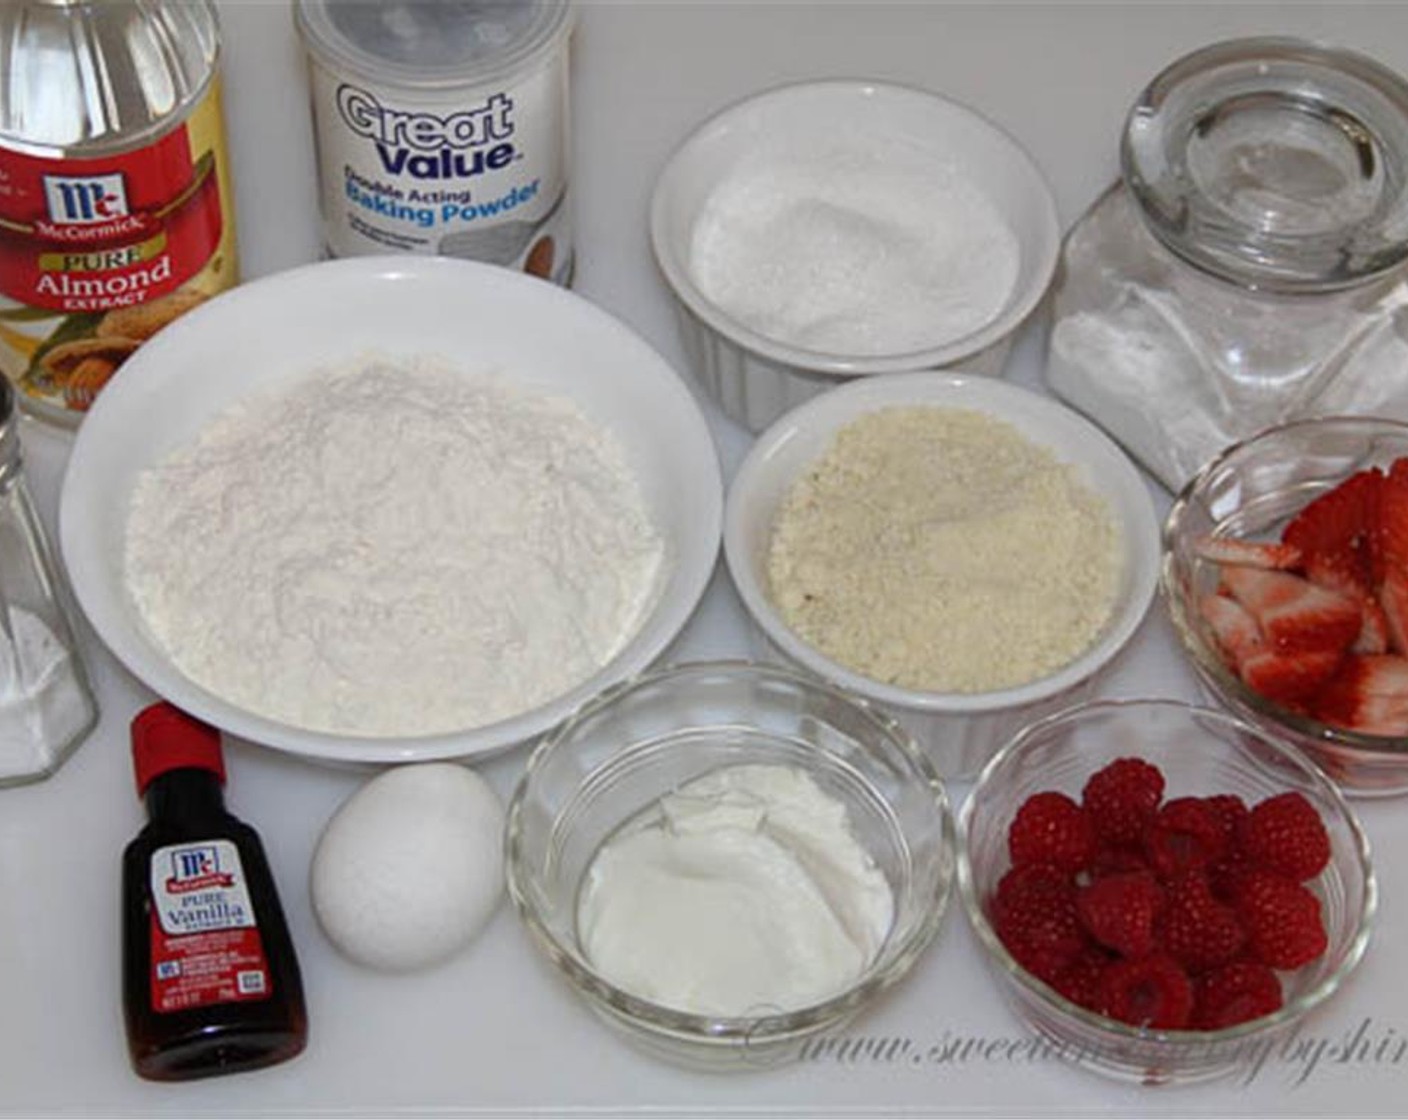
x: 964, y: 553
x: 827, y: 230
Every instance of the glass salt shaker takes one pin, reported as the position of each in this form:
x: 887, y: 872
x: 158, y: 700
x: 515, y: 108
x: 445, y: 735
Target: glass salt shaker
x: 46, y: 704
x: 1249, y: 267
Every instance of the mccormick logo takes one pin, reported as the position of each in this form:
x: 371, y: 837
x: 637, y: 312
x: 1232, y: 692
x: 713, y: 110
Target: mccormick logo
x: 86, y: 201
x: 196, y: 869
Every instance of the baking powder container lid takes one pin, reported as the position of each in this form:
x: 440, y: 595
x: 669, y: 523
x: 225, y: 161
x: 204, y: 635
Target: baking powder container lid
x: 432, y: 44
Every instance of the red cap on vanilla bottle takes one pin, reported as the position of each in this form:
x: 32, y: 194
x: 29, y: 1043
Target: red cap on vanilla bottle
x: 166, y: 738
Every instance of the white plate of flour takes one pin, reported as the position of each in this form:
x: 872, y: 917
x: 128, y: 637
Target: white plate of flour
x: 391, y: 509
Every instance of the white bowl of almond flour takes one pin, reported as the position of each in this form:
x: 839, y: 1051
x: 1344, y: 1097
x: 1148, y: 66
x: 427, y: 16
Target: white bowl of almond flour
x: 828, y: 230
x: 391, y: 509
x: 961, y: 551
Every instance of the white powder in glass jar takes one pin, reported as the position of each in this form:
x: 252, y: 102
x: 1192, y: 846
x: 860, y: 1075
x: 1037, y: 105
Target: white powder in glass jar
x: 864, y: 250
x: 939, y: 549
x: 393, y: 549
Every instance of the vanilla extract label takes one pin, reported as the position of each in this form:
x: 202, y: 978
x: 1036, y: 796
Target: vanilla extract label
x: 205, y: 942
x: 200, y: 887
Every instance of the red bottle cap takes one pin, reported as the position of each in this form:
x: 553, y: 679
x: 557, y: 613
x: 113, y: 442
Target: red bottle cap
x: 166, y: 738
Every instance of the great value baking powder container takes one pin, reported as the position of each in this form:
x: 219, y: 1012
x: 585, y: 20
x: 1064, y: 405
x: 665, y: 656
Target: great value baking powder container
x: 443, y: 128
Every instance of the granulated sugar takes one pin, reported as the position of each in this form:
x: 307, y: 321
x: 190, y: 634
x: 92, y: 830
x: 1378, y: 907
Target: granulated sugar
x: 939, y: 549
x: 866, y: 250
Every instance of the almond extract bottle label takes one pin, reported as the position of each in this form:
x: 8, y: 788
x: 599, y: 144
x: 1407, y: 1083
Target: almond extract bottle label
x: 205, y: 943
x: 98, y: 253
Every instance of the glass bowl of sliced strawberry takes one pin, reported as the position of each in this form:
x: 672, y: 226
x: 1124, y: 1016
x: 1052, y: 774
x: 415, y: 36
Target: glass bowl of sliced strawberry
x: 1161, y: 888
x: 1285, y: 573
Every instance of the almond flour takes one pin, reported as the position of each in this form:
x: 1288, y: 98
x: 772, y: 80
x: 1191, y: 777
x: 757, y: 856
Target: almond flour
x: 939, y: 549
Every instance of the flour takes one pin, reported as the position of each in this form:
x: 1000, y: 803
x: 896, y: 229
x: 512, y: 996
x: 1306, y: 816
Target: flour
x: 865, y: 250
x: 393, y: 549
x: 939, y: 549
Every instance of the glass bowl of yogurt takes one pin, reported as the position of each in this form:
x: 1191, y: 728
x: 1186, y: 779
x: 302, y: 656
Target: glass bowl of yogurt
x: 727, y: 858
x: 828, y: 230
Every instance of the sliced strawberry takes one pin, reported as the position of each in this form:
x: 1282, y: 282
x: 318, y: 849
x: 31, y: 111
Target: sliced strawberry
x: 1393, y: 599
x: 1336, y: 535
x: 1368, y: 694
x: 1392, y: 555
x: 1391, y: 540
x: 1249, y: 554
x: 1294, y: 614
x: 1233, y: 628
x: 1293, y: 679
x: 1373, y: 634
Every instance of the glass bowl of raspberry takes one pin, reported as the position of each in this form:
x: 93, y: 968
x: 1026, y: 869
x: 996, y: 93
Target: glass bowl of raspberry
x: 1285, y: 573
x: 1162, y: 888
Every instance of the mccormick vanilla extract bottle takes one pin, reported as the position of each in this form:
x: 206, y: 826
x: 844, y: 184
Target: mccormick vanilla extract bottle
x: 116, y: 213
x: 211, y: 982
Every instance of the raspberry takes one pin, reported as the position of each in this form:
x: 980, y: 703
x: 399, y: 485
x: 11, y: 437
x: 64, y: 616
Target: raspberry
x: 1286, y: 835
x: 1051, y: 828
x: 1235, y: 993
x: 1230, y: 811
x: 1079, y: 981
x: 1197, y: 930
x: 1163, y: 914
x: 1151, y: 991
x: 1114, y: 861
x: 1119, y: 911
x: 1032, y: 879
x: 1120, y: 798
x: 1034, y: 915
x: 1184, y: 835
x: 1225, y: 875
x: 1282, y: 919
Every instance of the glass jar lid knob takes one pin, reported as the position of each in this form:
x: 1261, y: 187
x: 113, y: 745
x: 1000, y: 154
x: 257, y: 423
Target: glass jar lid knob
x: 1274, y: 163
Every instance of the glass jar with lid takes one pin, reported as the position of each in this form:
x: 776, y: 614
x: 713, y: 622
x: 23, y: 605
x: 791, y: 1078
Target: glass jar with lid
x: 1249, y: 268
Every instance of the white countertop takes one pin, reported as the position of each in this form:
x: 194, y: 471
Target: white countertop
x: 497, y: 1030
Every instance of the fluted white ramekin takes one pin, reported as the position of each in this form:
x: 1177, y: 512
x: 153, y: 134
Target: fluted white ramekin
x: 755, y: 378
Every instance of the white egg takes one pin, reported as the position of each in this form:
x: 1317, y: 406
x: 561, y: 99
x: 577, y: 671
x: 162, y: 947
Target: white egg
x: 409, y: 869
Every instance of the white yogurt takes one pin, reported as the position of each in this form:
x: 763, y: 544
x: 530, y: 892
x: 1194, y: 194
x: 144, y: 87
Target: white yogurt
x: 744, y: 891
